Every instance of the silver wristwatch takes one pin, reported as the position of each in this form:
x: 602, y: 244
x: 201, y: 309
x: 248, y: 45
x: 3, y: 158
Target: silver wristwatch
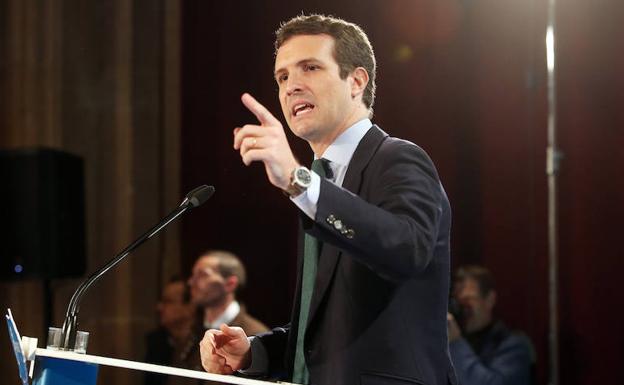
x: 300, y: 180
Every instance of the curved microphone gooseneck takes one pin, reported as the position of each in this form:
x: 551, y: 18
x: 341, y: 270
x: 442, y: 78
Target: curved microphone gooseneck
x: 193, y: 199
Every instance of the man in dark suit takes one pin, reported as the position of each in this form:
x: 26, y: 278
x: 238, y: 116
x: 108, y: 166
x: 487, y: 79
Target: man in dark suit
x: 373, y: 281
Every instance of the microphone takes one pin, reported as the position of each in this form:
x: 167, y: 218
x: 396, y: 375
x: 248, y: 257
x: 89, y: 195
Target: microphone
x: 194, y: 198
x: 198, y: 196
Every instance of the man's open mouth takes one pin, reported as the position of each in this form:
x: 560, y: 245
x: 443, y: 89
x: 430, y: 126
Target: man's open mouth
x: 302, y: 108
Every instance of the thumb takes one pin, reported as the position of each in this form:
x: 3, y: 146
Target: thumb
x: 232, y: 331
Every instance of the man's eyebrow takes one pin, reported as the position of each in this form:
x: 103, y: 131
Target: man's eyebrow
x: 300, y: 62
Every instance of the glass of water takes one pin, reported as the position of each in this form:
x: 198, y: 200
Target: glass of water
x: 54, y: 338
x: 82, y: 339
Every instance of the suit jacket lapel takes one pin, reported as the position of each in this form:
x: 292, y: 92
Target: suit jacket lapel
x: 330, y: 254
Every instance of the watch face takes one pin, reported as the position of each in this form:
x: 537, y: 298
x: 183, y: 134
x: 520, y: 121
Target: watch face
x: 302, y: 176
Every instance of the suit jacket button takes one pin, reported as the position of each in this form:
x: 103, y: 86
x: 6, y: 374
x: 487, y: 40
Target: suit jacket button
x: 331, y: 218
x: 350, y: 233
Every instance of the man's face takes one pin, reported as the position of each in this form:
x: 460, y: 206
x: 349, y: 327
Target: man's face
x: 171, y: 307
x: 315, y: 101
x: 208, y: 287
x: 477, y: 310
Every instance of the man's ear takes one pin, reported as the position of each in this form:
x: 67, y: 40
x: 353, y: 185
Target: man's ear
x: 231, y: 283
x: 359, y: 81
x: 490, y: 299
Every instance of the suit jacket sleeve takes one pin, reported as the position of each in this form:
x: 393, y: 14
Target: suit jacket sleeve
x: 274, y: 344
x: 394, y: 231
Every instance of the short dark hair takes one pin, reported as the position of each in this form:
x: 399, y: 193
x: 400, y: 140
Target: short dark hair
x: 186, y: 294
x: 352, y: 48
x: 480, y: 274
x: 229, y: 265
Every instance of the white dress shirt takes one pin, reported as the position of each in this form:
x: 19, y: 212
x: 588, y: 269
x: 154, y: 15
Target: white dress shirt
x: 226, y: 317
x: 339, y: 154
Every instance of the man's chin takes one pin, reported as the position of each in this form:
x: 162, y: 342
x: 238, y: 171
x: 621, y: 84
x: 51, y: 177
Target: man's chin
x: 212, y: 302
x: 303, y: 129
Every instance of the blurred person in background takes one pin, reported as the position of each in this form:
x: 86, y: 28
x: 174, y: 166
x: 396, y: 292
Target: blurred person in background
x: 484, y: 351
x: 173, y: 340
x: 217, y: 277
x: 205, y: 301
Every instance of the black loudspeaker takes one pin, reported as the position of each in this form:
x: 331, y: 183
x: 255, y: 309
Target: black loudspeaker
x: 42, y: 221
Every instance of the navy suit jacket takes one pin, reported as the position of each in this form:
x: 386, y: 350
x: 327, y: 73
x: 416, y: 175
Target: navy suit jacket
x: 378, y: 311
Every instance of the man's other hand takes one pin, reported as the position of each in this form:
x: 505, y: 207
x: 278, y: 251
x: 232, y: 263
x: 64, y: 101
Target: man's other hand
x: 225, y: 351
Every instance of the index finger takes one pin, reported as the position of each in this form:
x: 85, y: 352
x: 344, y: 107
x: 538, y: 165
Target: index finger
x: 209, y: 338
x: 263, y: 115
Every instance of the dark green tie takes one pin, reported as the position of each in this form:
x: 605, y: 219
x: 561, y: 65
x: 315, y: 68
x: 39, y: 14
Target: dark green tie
x: 311, y: 252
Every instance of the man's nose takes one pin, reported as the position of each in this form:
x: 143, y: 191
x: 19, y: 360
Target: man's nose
x: 293, y: 84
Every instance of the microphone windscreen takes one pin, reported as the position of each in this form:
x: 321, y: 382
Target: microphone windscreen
x: 199, y: 195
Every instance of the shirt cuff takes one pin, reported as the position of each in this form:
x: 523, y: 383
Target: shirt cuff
x: 307, y: 201
x: 259, y: 359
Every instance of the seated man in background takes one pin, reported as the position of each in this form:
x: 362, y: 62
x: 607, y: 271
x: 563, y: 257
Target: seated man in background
x: 171, y: 343
x: 484, y: 351
x: 186, y: 312
x: 217, y: 277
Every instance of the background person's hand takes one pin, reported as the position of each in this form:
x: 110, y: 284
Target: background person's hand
x: 454, y: 332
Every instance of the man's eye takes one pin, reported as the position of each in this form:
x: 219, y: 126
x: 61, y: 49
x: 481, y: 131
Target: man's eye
x: 282, y: 78
x: 311, y: 67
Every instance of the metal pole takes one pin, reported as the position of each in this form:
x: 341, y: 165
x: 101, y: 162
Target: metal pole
x: 553, y: 156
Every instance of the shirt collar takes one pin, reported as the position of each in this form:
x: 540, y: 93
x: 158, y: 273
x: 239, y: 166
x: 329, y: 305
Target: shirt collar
x: 227, y: 317
x: 342, y: 149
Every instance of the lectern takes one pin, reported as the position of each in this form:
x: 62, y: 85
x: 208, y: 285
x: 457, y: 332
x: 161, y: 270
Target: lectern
x: 56, y: 367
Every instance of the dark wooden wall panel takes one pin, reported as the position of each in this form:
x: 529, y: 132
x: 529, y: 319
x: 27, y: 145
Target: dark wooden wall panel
x: 591, y: 63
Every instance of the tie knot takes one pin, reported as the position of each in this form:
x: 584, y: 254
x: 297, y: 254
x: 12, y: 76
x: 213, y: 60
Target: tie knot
x: 321, y: 167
